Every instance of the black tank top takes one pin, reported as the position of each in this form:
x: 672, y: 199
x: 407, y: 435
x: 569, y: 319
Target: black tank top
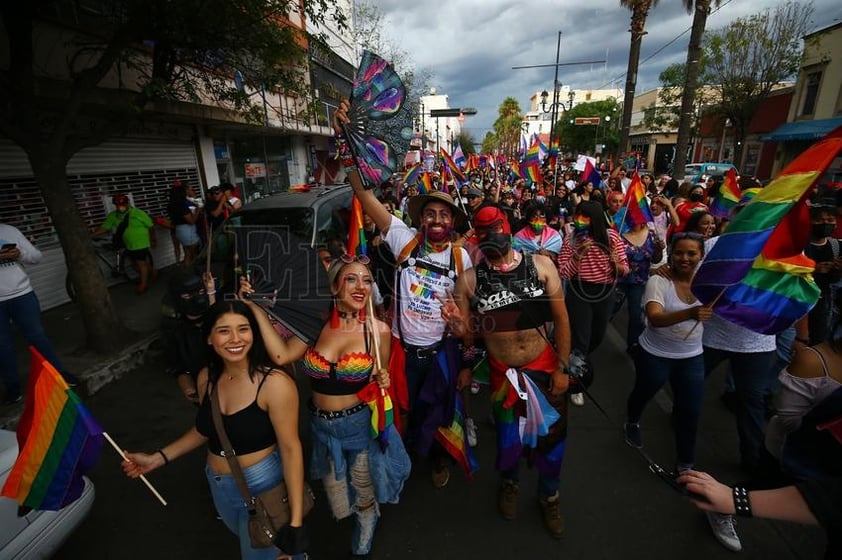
x: 516, y: 300
x: 249, y: 429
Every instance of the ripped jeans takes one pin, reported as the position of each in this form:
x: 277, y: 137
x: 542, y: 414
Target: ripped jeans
x: 341, y: 460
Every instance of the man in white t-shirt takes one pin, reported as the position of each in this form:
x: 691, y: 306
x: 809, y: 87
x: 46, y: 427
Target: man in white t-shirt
x: 427, y: 268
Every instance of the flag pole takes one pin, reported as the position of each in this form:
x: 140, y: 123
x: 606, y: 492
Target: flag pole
x: 143, y: 478
x: 711, y: 304
x: 376, y: 338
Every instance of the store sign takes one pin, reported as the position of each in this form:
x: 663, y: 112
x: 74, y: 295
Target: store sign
x: 254, y: 170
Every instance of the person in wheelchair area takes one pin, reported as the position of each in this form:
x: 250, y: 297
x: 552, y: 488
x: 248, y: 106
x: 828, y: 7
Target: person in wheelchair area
x: 133, y: 231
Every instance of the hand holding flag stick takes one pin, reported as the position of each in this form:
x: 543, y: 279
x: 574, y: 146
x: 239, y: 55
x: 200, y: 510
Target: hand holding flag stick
x: 142, y: 477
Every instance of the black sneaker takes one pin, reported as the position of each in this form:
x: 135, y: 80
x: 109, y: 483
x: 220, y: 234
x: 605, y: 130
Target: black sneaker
x: 631, y: 431
x: 13, y: 398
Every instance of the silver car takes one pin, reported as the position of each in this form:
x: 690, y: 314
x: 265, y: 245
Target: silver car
x: 38, y: 534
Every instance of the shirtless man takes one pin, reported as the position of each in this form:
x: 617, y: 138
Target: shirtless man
x: 508, y: 299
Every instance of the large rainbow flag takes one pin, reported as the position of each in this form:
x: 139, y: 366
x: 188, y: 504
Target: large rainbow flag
x: 454, y: 440
x: 413, y: 174
x: 356, y: 230
x: 451, y: 166
x: 728, y: 197
x: 757, y: 275
x: 635, y: 210
x: 59, y: 441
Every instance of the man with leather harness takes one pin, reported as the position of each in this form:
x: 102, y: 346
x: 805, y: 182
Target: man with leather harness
x: 508, y: 299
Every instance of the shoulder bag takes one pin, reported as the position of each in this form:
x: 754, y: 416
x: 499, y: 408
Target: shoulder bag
x: 268, y: 511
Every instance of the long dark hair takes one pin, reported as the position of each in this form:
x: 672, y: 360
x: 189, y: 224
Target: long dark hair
x: 598, y: 229
x: 175, y: 206
x: 258, y: 358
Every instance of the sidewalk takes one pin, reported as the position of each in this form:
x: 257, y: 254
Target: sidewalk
x: 140, y: 313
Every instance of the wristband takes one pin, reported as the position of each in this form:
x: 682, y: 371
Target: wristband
x: 742, y: 506
x: 802, y: 340
x: 166, y: 460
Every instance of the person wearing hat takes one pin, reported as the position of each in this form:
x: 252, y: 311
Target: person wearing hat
x: 428, y: 266
x: 507, y: 299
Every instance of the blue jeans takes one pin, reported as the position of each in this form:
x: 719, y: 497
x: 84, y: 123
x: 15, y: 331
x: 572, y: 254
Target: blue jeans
x: 752, y: 374
x: 229, y: 502
x: 25, y: 312
x: 687, y: 378
x: 634, y: 300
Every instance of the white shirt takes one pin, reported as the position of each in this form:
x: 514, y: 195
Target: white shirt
x: 14, y: 281
x: 672, y: 341
x: 420, y: 308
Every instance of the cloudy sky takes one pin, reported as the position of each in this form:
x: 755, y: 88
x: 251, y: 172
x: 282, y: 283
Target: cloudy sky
x: 470, y: 46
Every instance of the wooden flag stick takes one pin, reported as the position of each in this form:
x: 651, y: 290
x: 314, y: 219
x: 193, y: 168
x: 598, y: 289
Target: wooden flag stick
x: 143, y: 478
x: 711, y: 304
x: 376, y: 336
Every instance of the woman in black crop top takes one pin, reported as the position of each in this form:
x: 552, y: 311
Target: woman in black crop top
x: 340, y: 364
x: 259, y: 406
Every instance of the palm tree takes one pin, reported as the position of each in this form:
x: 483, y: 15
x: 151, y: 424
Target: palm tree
x: 691, y: 78
x: 639, y: 9
x: 507, y: 125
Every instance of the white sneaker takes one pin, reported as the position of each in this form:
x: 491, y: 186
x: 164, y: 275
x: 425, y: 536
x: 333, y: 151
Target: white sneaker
x: 725, y: 530
x: 578, y: 399
x: 471, y: 431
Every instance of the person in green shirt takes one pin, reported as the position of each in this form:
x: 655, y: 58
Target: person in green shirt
x: 135, y: 225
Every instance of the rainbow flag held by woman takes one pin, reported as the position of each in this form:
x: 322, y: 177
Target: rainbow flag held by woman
x: 59, y: 441
x: 757, y: 275
x: 356, y: 230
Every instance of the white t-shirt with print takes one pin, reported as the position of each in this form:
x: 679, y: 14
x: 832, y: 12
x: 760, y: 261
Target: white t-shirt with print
x: 675, y: 341
x: 420, y: 308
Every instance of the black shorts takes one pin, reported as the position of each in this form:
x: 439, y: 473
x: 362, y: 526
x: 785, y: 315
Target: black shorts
x: 139, y: 255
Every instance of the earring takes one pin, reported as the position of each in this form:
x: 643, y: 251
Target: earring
x: 334, y: 316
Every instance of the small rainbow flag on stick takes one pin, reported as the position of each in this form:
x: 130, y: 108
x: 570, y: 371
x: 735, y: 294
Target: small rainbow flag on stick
x: 356, y: 231
x: 59, y: 441
x: 425, y: 185
x: 635, y: 210
x: 729, y: 196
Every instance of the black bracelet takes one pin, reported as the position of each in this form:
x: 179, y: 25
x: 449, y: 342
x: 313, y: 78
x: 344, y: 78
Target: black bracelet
x: 802, y: 340
x: 166, y: 461
x: 742, y: 506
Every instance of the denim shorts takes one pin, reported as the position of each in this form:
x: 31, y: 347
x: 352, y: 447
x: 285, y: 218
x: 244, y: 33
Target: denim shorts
x: 187, y: 234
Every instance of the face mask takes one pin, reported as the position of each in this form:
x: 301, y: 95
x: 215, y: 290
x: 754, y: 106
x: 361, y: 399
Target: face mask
x: 696, y: 197
x: 820, y: 231
x: 538, y: 224
x: 195, y: 305
x: 496, y: 245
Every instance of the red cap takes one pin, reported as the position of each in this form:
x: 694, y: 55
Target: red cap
x: 490, y: 216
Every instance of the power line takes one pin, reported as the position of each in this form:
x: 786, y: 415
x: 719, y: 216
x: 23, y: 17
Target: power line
x: 657, y: 52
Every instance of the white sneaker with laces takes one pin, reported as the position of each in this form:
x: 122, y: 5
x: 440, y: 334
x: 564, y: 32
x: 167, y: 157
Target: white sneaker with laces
x: 471, y: 431
x: 725, y: 530
x: 578, y: 399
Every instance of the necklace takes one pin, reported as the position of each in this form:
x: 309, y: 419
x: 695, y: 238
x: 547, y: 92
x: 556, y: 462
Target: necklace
x: 346, y: 314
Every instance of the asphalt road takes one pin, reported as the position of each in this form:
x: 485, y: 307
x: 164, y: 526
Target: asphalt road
x: 614, y: 507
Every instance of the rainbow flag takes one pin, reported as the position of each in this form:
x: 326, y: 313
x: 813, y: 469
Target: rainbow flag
x: 382, y: 411
x: 425, y: 185
x: 59, y: 441
x: 756, y: 275
x: 451, y: 166
x: 729, y: 196
x: 412, y: 174
x: 515, y: 169
x: 533, y: 154
x: 454, y: 439
x: 635, y: 210
x: 554, y: 155
x: 531, y: 170
x: 356, y: 231
x: 748, y: 194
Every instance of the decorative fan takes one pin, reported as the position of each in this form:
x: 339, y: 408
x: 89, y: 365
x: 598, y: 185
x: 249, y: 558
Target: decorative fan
x: 378, y: 95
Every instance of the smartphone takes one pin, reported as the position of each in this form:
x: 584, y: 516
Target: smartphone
x: 8, y: 246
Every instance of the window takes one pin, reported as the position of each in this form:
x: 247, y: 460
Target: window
x: 811, y: 92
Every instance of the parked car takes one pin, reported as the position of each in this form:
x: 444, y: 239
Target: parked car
x: 318, y: 213
x: 699, y: 172
x: 37, y: 534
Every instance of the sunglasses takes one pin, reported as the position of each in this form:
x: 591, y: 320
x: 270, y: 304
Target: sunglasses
x: 350, y: 259
x: 688, y: 235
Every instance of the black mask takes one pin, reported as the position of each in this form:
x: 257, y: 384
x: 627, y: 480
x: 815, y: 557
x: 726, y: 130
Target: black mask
x: 820, y: 231
x: 194, y: 305
x: 696, y: 197
x: 496, y: 245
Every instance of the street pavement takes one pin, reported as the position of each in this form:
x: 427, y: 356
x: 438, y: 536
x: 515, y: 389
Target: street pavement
x: 614, y: 507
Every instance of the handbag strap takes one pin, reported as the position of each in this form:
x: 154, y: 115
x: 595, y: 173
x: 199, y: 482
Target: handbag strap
x: 228, y: 450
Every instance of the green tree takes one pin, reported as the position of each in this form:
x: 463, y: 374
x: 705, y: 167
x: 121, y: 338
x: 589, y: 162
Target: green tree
x: 121, y: 62
x: 639, y: 13
x: 583, y: 138
x: 467, y: 142
x: 750, y: 57
x: 507, y: 126
x: 489, y: 143
x: 700, y: 9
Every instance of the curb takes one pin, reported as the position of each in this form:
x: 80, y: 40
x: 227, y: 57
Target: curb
x: 96, y: 376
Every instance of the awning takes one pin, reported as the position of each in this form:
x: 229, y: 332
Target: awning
x: 802, y: 130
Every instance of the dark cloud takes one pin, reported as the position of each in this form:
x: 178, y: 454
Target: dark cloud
x: 470, y: 46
